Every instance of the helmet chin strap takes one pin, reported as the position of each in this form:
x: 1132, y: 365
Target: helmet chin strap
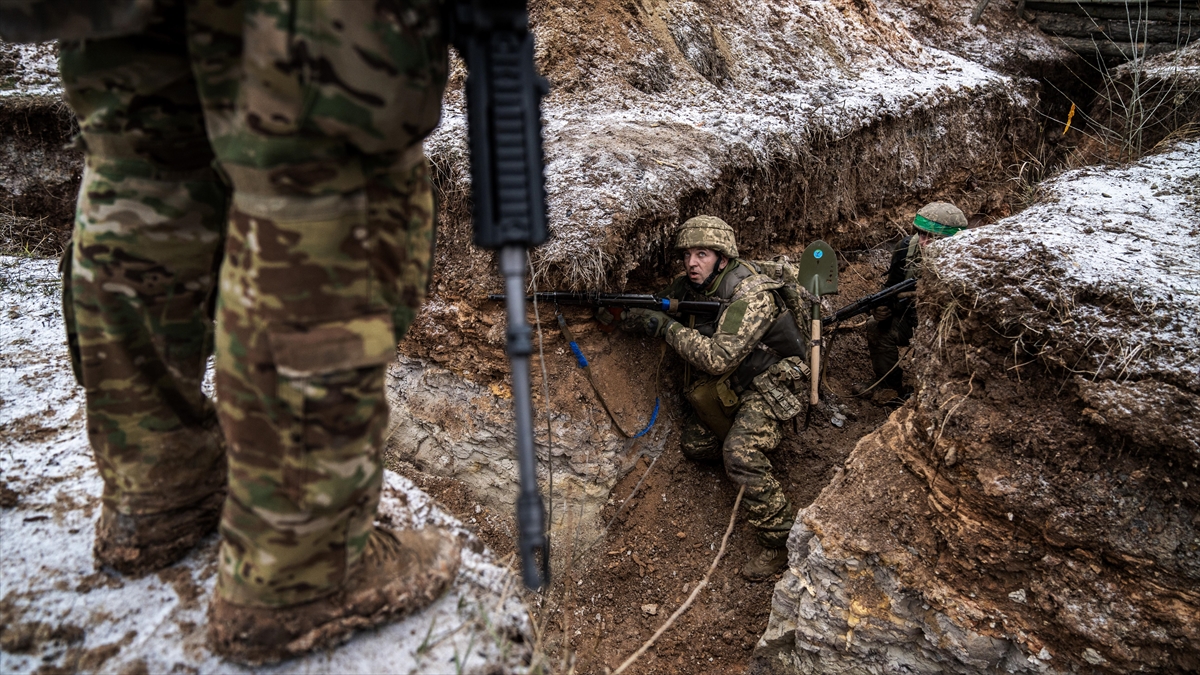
x: 703, y: 285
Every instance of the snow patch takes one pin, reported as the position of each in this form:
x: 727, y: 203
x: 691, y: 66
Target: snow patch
x: 1102, y: 277
x: 60, y: 611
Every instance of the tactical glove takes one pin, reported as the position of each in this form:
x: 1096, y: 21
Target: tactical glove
x: 882, y: 313
x: 650, y: 322
x: 609, y: 317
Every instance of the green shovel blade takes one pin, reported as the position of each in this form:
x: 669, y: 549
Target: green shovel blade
x: 818, y: 269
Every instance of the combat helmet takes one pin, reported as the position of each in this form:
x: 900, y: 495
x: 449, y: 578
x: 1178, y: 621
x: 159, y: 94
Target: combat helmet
x: 707, y: 232
x: 941, y: 219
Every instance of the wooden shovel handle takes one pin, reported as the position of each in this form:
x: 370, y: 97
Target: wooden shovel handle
x: 815, y: 366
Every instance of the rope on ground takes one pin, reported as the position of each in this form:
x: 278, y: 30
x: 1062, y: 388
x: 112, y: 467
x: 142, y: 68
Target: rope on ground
x: 691, y: 598
x: 881, y: 379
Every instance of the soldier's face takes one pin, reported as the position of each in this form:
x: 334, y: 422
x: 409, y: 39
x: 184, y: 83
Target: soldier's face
x: 699, y: 263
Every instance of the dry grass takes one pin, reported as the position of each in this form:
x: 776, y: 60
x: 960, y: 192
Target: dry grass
x: 32, y: 237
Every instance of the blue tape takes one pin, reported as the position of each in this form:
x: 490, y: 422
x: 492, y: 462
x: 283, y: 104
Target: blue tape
x: 666, y: 304
x: 579, y: 355
x: 583, y: 363
x: 653, y: 419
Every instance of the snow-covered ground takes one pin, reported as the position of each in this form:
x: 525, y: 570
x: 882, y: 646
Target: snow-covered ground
x: 58, y: 611
x: 1108, y: 267
x: 35, y: 72
x: 800, y: 75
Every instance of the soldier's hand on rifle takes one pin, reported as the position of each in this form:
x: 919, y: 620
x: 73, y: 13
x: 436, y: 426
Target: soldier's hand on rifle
x: 650, y: 322
x: 882, y: 313
x: 610, y: 317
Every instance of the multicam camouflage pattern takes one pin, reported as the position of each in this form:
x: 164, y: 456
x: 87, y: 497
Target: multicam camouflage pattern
x: 756, y: 427
x: 306, y: 333
x: 141, y: 271
x: 315, y: 111
x: 755, y: 432
x: 42, y: 20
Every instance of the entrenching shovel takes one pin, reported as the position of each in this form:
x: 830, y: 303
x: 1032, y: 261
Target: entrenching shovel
x: 818, y: 272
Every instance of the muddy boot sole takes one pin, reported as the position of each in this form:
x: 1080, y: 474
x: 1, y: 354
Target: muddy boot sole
x: 138, y: 545
x: 399, y: 577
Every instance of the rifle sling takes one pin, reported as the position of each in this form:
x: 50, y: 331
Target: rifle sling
x: 587, y: 371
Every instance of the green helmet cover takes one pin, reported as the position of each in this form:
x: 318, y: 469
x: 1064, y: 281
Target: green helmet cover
x: 707, y: 232
x: 941, y: 219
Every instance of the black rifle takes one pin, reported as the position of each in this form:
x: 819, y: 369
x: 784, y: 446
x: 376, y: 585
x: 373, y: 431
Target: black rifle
x: 625, y: 300
x: 870, y: 302
x: 504, y: 93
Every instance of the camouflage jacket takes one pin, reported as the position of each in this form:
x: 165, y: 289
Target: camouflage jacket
x: 753, y: 344
x: 749, y: 310
x: 906, y: 257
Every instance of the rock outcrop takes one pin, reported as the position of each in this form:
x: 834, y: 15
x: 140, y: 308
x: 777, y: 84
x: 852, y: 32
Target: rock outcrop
x: 1035, y: 507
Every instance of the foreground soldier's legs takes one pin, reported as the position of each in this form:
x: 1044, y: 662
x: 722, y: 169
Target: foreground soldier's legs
x: 138, y: 280
x: 755, y: 432
x: 318, y: 127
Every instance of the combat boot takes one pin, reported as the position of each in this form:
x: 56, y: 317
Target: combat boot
x: 139, y: 544
x: 399, y: 573
x: 768, y: 563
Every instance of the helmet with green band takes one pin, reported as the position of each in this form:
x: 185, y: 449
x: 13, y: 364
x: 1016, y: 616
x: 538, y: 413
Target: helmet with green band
x: 941, y: 219
x: 707, y: 232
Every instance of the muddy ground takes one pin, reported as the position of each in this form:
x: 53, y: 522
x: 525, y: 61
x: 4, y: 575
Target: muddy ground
x: 663, y: 538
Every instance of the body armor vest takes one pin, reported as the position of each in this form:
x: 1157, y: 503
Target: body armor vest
x: 783, y: 339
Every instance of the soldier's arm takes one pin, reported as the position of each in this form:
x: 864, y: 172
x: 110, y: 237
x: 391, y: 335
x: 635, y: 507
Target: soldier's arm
x: 740, y: 327
x: 896, y: 271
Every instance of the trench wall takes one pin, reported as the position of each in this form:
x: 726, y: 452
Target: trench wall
x: 1034, y: 508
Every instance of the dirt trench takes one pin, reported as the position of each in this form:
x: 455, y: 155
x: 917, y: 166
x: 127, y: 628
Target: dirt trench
x: 855, y: 184
x: 856, y: 188
x: 39, y: 174
x: 1034, y: 508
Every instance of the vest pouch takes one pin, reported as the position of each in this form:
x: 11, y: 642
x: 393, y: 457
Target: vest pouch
x: 778, y: 385
x: 715, y: 404
x: 785, y: 337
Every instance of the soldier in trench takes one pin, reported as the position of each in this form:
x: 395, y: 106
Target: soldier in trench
x: 261, y: 162
x: 892, y: 324
x: 742, y: 389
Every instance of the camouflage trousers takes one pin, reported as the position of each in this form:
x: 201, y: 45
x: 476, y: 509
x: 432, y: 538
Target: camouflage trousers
x: 755, y: 432
x: 260, y: 163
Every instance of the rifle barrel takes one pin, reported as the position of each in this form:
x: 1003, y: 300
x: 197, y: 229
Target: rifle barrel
x: 627, y: 300
x: 866, y: 304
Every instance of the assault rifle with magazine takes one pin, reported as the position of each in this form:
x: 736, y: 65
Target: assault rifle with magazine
x: 870, y: 302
